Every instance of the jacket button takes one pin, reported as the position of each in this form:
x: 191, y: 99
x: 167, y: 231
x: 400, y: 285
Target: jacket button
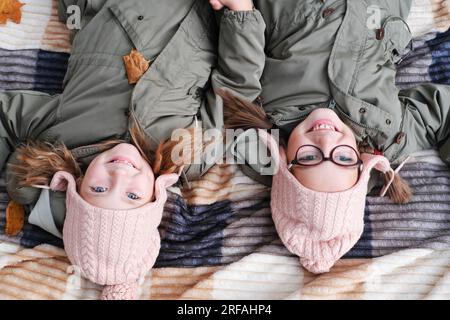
x: 327, y: 12
x: 380, y: 34
x: 302, y: 108
x: 388, y: 122
x: 400, y: 137
x: 362, y: 110
x: 140, y: 18
x: 127, y: 113
x: 259, y: 101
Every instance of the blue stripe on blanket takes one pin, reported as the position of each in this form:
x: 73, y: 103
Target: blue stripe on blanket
x: 428, y: 62
x: 192, y: 236
x: 422, y: 223
x: 37, y: 70
x: 440, y: 52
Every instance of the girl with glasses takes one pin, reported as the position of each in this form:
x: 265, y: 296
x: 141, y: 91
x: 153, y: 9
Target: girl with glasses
x: 328, y: 87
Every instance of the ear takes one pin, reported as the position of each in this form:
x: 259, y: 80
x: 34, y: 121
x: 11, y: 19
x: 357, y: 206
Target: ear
x: 378, y: 162
x: 62, y: 181
x: 167, y: 180
x: 163, y: 182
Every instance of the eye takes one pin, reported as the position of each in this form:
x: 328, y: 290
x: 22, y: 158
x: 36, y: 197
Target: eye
x: 98, y: 189
x: 133, y: 196
x: 345, y: 159
x: 306, y: 158
x: 345, y: 155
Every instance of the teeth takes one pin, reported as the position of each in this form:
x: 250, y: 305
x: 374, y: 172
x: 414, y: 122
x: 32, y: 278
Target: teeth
x: 324, y: 127
x: 124, y: 162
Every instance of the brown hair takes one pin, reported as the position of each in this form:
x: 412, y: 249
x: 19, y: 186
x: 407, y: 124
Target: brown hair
x: 399, y: 191
x: 242, y: 114
x: 37, y: 162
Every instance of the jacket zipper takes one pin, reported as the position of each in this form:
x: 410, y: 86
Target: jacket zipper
x: 291, y: 119
x: 332, y: 104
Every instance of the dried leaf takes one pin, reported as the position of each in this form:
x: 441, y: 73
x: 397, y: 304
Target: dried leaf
x: 15, y: 216
x: 136, y: 65
x: 10, y: 10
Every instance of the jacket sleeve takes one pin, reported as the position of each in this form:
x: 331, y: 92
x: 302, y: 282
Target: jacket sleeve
x: 240, y: 65
x: 241, y: 56
x: 49, y: 212
x: 24, y: 115
x: 426, y: 120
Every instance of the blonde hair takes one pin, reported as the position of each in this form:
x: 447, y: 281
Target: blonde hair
x: 37, y: 162
x: 242, y: 114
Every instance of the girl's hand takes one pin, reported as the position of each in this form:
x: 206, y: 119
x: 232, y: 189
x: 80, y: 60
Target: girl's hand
x: 234, y: 5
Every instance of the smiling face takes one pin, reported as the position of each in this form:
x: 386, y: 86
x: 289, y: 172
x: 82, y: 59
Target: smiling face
x: 118, y: 179
x: 323, y: 129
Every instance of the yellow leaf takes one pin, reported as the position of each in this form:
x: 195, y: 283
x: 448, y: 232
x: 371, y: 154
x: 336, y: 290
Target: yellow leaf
x: 136, y: 65
x: 15, y: 216
x: 10, y: 10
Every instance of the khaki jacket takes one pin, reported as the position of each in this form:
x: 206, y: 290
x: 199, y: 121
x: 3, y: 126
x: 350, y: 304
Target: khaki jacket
x: 183, y: 43
x: 337, y: 54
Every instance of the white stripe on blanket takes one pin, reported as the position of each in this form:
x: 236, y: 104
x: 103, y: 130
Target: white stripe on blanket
x: 39, y: 29
x: 429, y: 16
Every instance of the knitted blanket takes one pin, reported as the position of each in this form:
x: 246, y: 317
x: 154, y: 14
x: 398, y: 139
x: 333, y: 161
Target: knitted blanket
x: 218, y: 238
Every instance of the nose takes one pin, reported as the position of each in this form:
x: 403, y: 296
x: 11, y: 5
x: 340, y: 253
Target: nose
x: 119, y: 172
x: 326, y: 142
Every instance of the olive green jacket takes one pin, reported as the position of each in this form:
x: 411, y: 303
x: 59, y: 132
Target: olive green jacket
x: 337, y: 54
x: 189, y: 60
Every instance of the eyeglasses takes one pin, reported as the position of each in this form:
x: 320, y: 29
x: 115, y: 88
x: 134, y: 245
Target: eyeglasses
x: 309, y: 155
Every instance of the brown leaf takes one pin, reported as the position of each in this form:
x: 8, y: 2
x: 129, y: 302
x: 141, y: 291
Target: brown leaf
x: 136, y: 65
x: 10, y: 10
x: 15, y: 216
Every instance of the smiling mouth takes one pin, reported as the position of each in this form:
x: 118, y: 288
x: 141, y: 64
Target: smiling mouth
x: 124, y: 161
x: 322, y: 125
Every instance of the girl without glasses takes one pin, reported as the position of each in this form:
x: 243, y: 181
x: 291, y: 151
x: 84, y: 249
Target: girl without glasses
x: 138, y: 70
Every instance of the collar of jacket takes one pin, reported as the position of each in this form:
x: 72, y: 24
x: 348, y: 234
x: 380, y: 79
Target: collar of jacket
x: 86, y: 154
x: 364, y: 118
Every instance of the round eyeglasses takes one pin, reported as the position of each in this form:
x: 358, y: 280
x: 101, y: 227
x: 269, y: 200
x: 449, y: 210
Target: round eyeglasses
x: 343, y: 155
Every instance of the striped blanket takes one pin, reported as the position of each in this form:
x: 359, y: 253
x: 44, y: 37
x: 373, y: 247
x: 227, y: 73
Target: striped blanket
x: 218, y: 238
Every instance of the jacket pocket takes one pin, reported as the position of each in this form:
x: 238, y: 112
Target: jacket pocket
x: 104, y: 34
x: 127, y: 27
x: 396, y: 38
